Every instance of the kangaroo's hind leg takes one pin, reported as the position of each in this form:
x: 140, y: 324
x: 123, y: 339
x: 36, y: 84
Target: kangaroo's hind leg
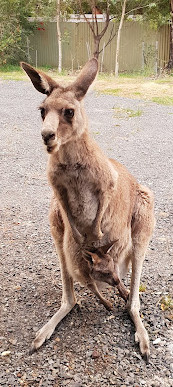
x: 68, y: 297
x: 142, y: 228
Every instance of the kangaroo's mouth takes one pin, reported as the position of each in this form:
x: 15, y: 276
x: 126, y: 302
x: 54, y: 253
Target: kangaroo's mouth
x: 51, y: 148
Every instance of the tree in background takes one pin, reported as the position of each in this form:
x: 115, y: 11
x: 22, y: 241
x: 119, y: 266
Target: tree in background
x: 160, y: 14
x: 95, y: 8
x: 15, y: 27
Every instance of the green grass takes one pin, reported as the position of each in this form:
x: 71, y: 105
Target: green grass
x: 142, y: 288
x: 163, y: 100
x: 11, y: 72
x: 127, y: 85
x: 14, y: 72
x: 137, y: 93
x: 166, y: 302
x: 10, y: 68
x: 111, y: 91
x: 126, y: 113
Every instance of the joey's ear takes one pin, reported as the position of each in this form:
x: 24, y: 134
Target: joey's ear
x: 85, y: 78
x: 107, y: 248
x: 40, y: 80
x: 92, y: 258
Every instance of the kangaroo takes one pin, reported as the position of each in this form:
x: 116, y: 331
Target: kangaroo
x: 91, y: 193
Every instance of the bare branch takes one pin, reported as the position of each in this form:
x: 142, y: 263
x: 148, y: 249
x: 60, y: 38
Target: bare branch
x: 88, y: 22
x: 97, y: 28
x: 135, y: 9
x: 106, y: 24
x: 110, y: 40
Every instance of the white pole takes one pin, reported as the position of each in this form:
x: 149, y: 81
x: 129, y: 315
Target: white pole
x: 143, y: 50
x: 156, y: 64
x: 36, y: 58
x: 101, y: 67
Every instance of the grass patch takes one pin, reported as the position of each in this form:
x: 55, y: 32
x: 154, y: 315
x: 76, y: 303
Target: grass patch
x: 9, y: 68
x: 142, y: 288
x: 126, y: 113
x: 166, y: 302
x: 11, y: 72
x: 163, y: 100
x: 111, y: 91
x: 137, y: 93
x: 15, y: 73
x: 127, y: 85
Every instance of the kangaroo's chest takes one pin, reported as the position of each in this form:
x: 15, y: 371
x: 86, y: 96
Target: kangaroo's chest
x: 76, y: 189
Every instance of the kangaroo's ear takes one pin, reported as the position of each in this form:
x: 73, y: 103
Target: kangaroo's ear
x: 85, y: 78
x: 92, y: 258
x: 40, y: 80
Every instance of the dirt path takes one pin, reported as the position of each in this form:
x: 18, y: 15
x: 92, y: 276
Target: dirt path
x: 91, y: 347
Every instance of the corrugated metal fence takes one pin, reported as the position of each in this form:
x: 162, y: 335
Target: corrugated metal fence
x: 141, y: 47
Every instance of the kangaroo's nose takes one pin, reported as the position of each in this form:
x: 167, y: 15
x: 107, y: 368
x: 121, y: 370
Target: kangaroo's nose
x: 47, y: 136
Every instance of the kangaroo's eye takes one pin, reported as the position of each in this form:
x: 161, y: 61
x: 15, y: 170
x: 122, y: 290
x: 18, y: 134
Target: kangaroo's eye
x: 68, y: 113
x: 42, y: 111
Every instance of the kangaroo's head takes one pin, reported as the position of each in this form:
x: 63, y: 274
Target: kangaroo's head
x: 61, y: 111
x: 102, y: 265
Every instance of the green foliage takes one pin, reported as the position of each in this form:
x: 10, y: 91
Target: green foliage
x: 14, y: 29
x: 15, y: 26
x: 157, y: 13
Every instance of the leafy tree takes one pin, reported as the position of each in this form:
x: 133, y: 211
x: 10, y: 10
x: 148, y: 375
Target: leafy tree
x: 14, y: 27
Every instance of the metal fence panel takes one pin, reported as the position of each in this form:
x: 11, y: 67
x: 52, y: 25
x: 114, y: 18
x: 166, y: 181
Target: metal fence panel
x: 138, y: 46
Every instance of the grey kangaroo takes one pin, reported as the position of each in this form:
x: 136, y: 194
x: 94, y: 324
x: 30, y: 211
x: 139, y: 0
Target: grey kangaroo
x: 93, y: 194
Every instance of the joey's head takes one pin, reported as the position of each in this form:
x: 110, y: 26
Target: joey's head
x: 61, y: 111
x: 102, y: 265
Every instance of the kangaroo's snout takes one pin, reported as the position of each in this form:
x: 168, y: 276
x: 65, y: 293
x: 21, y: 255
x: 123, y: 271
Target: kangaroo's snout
x: 47, y: 135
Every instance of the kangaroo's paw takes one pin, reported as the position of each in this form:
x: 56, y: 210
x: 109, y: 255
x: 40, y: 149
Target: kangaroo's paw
x: 97, y: 233
x: 143, y: 340
x: 41, y: 336
x: 107, y: 304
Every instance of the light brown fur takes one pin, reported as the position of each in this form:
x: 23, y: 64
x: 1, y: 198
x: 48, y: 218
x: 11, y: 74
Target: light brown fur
x: 91, y: 194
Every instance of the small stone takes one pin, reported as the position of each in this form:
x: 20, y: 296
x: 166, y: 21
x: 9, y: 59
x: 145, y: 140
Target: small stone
x: 171, y: 367
x: 13, y: 341
x: 157, y: 341
x: 95, y: 354
x: 5, y: 353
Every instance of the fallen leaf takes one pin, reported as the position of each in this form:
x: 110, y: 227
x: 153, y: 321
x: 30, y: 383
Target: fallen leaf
x: 57, y: 339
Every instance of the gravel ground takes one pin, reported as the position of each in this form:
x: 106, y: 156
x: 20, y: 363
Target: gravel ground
x: 91, y: 347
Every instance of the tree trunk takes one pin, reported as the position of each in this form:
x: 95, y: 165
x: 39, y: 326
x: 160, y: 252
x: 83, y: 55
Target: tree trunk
x: 170, y: 63
x: 59, y: 36
x: 96, y: 46
x: 118, y: 38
